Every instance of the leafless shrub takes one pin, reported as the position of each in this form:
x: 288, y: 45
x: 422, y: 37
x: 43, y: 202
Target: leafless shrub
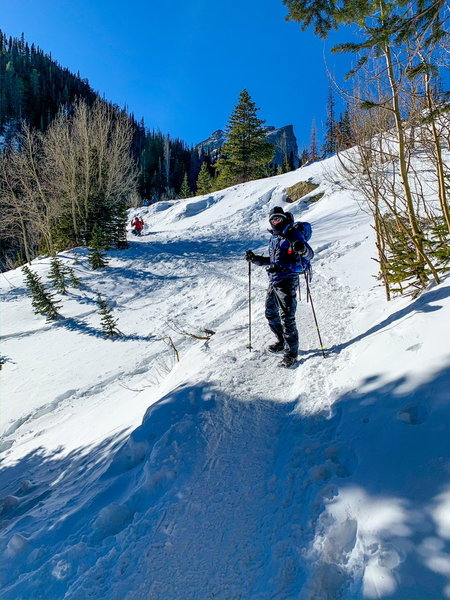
x: 203, y: 334
x: 55, y: 185
x: 170, y: 343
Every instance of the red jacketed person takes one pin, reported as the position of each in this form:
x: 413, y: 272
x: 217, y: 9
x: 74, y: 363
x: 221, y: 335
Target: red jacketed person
x: 137, y: 225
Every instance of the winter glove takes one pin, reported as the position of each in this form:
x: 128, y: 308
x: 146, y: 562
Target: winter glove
x: 249, y: 256
x: 300, y: 247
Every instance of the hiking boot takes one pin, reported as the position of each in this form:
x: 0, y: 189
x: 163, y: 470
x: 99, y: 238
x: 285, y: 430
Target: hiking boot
x: 277, y: 347
x: 288, y: 361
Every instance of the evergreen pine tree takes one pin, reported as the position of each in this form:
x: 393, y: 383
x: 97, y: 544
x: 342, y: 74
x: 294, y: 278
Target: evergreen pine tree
x: 313, y: 151
x: 70, y: 275
x: 108, y: 322
x: 438, y: 244
x: 185, y: 191
x: 304, y: 157
x: 57, y: 275
x: 43, y: 302
x: 97, y: 257
x: 292, y: 161
x: 205, y: 181
x: 403, y: 272
x: 62, y: 276
x: 330, y: 146
x: 246, y: 151
x: 285, y: 168
x: 344, y: 131
x: 31, y: 279
x: 120, y: 222
x: 273, y: 169
x: 403, y: 19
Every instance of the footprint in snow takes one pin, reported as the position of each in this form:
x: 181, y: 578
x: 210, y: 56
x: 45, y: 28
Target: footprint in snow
x: 413, y: 414
x: 110, y: 520
x: 343, y: 460
x: 414, y: 348
x: 8, y: 504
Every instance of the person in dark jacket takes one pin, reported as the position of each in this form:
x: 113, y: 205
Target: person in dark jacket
x: 289, y: 255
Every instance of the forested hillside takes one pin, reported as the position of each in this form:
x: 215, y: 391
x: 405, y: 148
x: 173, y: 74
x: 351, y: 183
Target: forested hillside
x: 33, y: 86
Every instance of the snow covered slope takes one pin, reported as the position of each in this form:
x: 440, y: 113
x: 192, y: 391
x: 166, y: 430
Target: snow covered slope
x: 127, y: 474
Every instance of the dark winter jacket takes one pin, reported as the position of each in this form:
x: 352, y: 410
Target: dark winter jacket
x: 282, y: 262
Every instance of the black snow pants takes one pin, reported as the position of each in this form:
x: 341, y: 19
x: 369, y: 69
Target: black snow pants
x: 281, y: 304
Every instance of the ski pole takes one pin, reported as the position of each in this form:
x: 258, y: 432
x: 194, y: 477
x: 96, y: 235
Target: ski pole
x: 309, y: 297
x: 249, y: 306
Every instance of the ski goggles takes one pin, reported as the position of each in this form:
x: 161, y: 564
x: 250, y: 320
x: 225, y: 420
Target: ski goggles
x: 276, y: 220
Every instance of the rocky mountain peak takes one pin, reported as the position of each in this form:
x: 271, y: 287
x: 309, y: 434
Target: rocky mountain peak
x: 283, y: 138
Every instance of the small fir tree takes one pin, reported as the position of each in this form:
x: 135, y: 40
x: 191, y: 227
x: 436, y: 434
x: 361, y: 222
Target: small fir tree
x: 185, y: 191
x: 43, y: 302
x: 273, y: 169
x: 119, y: 227
x: 344, y: 131
x: 97, y: 257
x: 292, y: 161
x: 31, y: 279
x: 62, y: 276
x: 70, y: 275
x: 438, y: 244
x: 403, y: 272
x: 57, y: 275
x: 108, y: 322
x: 205, y: 181
x: 304, y: 157
x: 286, y: 167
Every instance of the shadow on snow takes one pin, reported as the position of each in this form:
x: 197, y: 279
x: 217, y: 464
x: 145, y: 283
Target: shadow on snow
x: 211, y: 497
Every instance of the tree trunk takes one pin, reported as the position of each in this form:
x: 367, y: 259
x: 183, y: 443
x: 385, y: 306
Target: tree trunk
x: 416, y: 234
x: 439, y: 162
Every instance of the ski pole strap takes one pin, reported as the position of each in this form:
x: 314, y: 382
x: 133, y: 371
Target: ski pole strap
x: 307, y: 269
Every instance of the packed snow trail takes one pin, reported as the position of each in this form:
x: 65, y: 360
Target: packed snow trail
x: 243, y: 480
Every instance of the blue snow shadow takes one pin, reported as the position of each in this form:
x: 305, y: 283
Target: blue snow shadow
x: 195, y: 249
x: 215, y: 497
x: 79, y: 326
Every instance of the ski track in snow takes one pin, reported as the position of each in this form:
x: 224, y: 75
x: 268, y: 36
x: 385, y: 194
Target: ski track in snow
x: 222, y: 491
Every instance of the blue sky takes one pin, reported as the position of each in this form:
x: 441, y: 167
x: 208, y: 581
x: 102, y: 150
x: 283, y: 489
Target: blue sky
x: 182, y: 64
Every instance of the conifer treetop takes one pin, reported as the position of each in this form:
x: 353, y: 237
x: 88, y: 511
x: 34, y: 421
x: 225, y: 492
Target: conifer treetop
x: 246, y: 151
x: 204, y: 181
x: 401, y: 19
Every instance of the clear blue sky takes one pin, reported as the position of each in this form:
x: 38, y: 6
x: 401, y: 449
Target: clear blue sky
x: 181, y: 64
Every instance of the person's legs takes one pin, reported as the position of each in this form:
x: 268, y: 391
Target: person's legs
x: 285, y: 293
x: 273, y: 315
